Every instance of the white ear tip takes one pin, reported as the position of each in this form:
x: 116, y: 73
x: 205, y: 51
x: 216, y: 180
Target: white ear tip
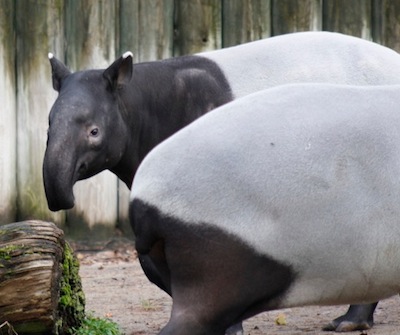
x: 127, y: 54
x: 50, y: 55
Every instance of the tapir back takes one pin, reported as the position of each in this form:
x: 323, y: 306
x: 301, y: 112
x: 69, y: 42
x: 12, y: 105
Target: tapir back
x: 323, y: 57
x: 304, y: 174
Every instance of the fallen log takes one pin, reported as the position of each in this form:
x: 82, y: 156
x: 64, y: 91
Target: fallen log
x: 40, y: 287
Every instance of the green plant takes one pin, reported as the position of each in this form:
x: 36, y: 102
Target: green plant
x: 97, y: 326
x: 5, y: 252
x: 71, y: 304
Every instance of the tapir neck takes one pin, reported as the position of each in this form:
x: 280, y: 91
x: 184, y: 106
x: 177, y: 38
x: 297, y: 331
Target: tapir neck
x: 163, y: 97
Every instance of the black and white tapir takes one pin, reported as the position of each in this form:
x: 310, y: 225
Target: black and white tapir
x: 287, y: 197
x: 110, y: 119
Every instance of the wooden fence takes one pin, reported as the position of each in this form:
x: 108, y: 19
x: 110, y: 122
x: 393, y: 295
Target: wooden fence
x: 91, y: 34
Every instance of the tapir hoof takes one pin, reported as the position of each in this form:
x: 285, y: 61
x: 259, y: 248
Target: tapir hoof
x: 358, y: 317
x: 346, y: 326
x: 236, y: 329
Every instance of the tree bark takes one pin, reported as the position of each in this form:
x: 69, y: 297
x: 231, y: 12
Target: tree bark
x: 40, y: 288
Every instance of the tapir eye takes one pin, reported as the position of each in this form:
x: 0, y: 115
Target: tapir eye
x: 94, y: 132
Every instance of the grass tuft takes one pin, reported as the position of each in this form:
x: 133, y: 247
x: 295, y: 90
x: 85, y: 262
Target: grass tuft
x: 97, y: 326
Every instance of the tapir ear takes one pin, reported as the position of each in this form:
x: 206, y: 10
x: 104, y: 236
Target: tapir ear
x: 120, y: 72
x: 58, y: 72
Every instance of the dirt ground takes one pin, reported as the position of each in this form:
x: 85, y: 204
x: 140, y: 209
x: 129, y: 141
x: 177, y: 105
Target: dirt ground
x: 116, y: 288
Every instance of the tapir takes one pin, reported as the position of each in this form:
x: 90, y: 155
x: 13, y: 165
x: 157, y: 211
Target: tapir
x: 287, y: 197
x: 111, y: 118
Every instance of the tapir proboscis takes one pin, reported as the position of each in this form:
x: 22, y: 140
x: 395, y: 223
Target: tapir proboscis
x: 110, y: 119
x: 287, y: 197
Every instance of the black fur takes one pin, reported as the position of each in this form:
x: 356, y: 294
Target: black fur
x: 165, y: 96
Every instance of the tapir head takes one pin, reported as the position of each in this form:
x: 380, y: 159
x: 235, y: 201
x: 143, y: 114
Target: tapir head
x: 87, y: 132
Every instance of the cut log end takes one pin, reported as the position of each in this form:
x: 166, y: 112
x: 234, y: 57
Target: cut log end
x: 40, y: 287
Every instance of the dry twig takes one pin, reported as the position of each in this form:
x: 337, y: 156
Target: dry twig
x: 11, y: 330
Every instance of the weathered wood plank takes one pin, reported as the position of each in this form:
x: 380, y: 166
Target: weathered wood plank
x: 8, y: 134
x: 386, y: 28
x: 146, y: 28
x: 91, y: 43
x: 155, y: 29
x: 129, y: 28
x: 245, y: 21
x: 39, y: 30
x: 90, y: 32
x: 197, y: 26
x: 351, y: 17
x: 292, y: 15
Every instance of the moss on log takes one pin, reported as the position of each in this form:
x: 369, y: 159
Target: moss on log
x: 40, y: 288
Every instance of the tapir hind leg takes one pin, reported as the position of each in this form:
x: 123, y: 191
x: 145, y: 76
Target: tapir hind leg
x: 149, y: 246
x: 358, y: 317
x: 217, y: 281
x: 155, y: 267
x: 236, y: 329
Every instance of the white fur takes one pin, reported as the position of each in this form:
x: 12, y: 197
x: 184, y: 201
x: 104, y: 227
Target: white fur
x: 307, y: 174
x: 306, y: 57
x: 50, y: 55
x: 127, y: 54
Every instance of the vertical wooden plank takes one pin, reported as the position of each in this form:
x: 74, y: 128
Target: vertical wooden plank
x: 129, y: 27
x: 245, y: 20
x: 90, y: 33
x: 292, y: 15
x: 8, y: 131
x: 146, y: 29
x: 39, y: 30
x: 386, y: 23
x: 155, y: 29
x: 197, y: 26
x: 351, y: 17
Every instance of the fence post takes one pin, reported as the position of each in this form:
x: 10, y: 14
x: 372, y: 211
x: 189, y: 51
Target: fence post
x: 8, y: 131
x: 156, y: 29
x: 90, y: 33
x: 129, y: 33
x: 39, y: 30
x: 386, y: 24
x: 197, y: 26
x: 245, y: 21
x: 146, y: 28
x: 292, y: 15
x: 351, y: 17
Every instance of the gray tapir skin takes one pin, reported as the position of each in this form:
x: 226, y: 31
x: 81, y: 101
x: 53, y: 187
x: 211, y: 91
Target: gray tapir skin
x: 111, y: 118
x: 302, y: 181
